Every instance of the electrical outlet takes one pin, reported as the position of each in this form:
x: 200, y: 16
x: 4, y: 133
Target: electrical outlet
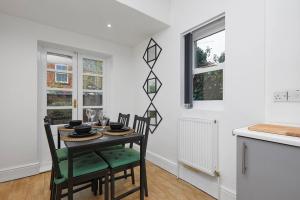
x: 280, y: 96
x: 294, y: 95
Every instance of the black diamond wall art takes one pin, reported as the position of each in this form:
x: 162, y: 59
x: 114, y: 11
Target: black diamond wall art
x: 152, y: 84
x: 152, y: 53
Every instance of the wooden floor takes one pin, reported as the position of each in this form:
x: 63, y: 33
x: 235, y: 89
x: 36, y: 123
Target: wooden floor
x: 162, y: 186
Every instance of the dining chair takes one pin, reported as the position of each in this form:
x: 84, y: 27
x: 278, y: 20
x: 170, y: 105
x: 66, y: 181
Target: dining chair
x: 128, y: 158
x: 62, y: 154
x: 87, y: 169
x: 124, y: 119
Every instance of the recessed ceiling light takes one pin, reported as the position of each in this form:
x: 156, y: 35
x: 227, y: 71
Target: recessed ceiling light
x: 109, y: 25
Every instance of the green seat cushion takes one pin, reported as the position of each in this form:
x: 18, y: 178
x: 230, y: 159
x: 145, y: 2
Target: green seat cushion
x: 62, y: 154
x: 84, y: 164
x: 119, y: 157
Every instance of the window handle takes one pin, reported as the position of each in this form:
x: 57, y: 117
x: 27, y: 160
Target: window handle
x: 74, y: 103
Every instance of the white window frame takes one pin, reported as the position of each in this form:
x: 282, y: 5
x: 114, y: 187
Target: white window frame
x: 212, y: 27
x: 64, y: 72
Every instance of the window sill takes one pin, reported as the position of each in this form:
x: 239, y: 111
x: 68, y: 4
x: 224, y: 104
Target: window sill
x: 217, y: 105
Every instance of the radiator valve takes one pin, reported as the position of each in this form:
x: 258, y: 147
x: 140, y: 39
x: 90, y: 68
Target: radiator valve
x: 217, y: 173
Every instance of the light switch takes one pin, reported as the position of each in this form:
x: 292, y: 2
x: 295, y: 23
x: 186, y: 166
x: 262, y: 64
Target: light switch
x: 280, y: 96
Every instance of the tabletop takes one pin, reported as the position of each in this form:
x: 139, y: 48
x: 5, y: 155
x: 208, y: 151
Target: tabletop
x: 104, y: 141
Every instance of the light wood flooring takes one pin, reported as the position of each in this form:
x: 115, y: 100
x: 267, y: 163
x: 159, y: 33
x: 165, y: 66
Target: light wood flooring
x: 162, y: 186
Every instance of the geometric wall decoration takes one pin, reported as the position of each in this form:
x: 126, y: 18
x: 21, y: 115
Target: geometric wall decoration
x: 152, y: 84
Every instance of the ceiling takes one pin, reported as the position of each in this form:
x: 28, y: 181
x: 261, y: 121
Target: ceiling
x: 89, y: 17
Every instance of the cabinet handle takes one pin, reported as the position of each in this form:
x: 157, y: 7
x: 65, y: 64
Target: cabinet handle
x: 244, y: 167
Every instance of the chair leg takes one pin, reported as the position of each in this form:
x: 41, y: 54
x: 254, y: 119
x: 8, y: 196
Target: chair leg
x: 100, y: 186
x: 58, y: 191
x: 52, y: 178
x: 125, y: 174
x: 54, y: 190
x: 145, y: 181
x: 52, y: 195
x: 105, y: 187
x: 95, y: 186
x: 132, y: 175
x: 112, y: 186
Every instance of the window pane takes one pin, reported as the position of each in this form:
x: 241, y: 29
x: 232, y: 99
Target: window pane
x: 92, y: 99
x: 62, y: 80
x: 61, y: 67
x: 84, y: 117
x: 59, y: 60
x: 208, y: 86
x: 92, y: 82
x: 210, y: 51
x: 59, y: 98
x: 92, y: 66
x: 60, y: 116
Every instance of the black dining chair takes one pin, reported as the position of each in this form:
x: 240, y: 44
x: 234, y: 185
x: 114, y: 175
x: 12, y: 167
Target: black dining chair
x: 128, y: 158
x: 87, y: 169
x: 124, y: 119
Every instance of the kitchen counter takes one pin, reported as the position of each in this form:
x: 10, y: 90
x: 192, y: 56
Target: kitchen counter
x: 281, y: 139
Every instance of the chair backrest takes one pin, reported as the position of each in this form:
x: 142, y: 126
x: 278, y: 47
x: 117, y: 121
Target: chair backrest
x: 141, y: 125
x: 124, y: 119
x: 47, y: 123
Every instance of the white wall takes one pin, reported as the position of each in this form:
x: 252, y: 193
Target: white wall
x: 19, y: 86
x: 282, y: 58
x: 243, y: 83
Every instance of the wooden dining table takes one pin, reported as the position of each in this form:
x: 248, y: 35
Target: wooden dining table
x: 96, y: 144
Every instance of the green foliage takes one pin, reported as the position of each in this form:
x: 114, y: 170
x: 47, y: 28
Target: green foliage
x: 201, y: 56
x: 222, y: 58
x: 219, y: 59
x: 208, y: 86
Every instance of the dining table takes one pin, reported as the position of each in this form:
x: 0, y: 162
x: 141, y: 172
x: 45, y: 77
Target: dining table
x: 77, y: 147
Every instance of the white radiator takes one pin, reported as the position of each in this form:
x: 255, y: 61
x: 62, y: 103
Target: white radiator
x: 198, y: 144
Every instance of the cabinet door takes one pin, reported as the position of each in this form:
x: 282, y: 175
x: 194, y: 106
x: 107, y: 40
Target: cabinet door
x: 267, y: 171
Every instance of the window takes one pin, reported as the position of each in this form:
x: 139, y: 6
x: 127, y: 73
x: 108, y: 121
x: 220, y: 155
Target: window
x: 209, y: 60
x: 204, y: 62
x: 61, y: 75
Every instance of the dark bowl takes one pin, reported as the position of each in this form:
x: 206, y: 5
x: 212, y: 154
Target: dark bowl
x: 75, y: 122
x: 116, y: 125
x: 82, y: 129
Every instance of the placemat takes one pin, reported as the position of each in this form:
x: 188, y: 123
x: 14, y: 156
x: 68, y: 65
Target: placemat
x: 118, y: 133
x: 66, y: 138
x: 65, y: 129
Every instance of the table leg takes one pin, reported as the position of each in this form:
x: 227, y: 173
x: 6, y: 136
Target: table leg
x: 141, y: 171
x: 58, y: 139
x: 70, y: 174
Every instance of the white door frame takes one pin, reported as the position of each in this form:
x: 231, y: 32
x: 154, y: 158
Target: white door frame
x: 43, y: 153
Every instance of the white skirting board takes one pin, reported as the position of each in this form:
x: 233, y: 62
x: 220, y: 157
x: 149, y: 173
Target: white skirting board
x: 45, y: 166
x: 227, y: 194
x: 20, y: 171
x: 172, y: 167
